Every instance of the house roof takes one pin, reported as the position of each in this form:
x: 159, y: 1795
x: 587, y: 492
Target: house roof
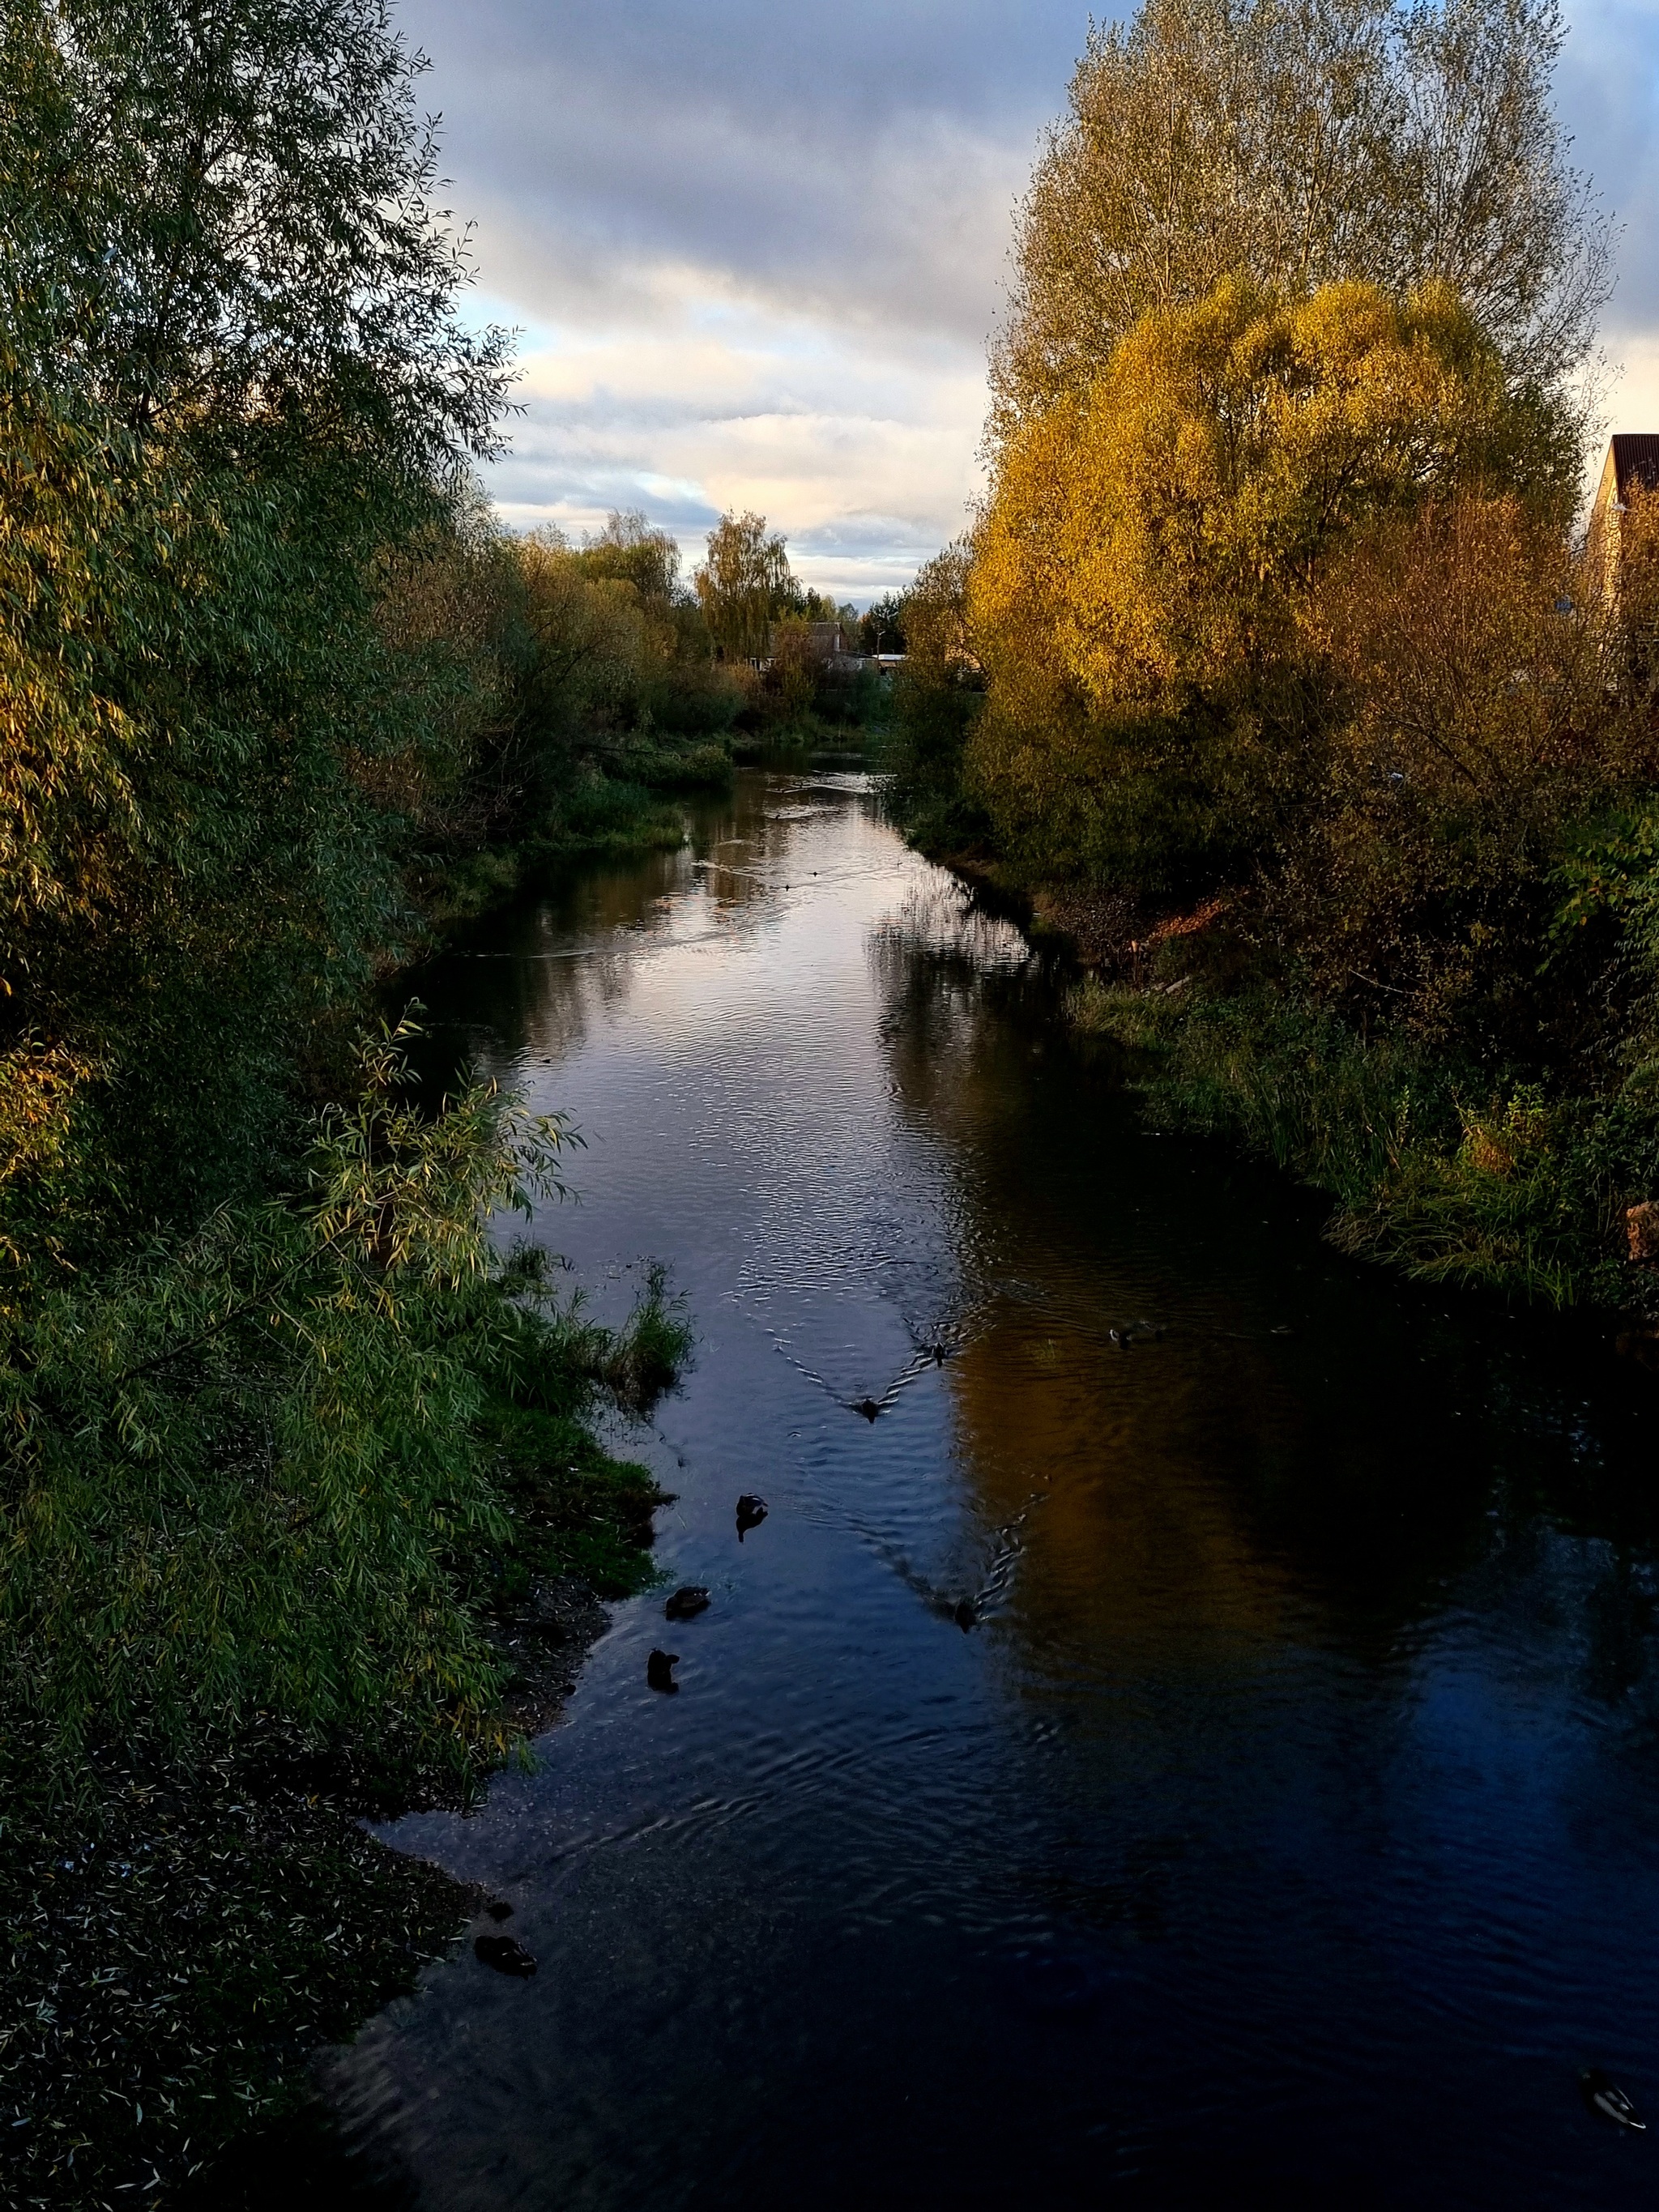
x: 1635, y: 456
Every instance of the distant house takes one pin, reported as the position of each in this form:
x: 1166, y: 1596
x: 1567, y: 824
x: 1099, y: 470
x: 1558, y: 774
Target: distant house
x: 1631, y: 466
x: 825, y: 640
x: 833, y: 645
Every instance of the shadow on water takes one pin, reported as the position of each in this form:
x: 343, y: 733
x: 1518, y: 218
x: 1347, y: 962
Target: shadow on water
x: 1185, y: 1731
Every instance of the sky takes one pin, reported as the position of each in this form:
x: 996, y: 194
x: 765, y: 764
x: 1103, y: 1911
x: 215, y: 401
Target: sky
x: 754, y: 248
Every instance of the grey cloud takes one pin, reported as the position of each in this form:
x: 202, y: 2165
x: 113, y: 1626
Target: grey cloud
x: 1607, y: 86
x: 863, y: 163
x: 860, y: 164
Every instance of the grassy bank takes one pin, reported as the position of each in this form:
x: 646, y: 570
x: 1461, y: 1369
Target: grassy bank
x: 610, y: 810
x: 1433, y: 1167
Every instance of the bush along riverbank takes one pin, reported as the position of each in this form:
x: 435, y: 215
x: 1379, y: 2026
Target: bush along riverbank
x: 1275, y: 671
x: 303, y: 1507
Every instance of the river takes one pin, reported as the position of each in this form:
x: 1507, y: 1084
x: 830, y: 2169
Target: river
x: 1282, y: 1828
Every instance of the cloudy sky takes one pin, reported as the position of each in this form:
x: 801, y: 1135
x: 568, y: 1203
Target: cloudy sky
x: 754, y: 248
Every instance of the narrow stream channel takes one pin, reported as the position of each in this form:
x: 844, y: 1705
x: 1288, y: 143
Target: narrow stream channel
x: 1284, y: 1830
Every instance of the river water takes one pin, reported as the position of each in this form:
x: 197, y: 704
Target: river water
x: 1284, y: 1828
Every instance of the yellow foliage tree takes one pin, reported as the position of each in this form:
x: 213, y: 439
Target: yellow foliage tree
x: 1148, y: 547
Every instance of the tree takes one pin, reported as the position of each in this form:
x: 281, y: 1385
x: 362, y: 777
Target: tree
x: 936, y: 695
x: 1477, y: 711
x: 234, y: 396
x: 630, y: 551
x: 745, y: 585
x: 1294, y: 144
x: 881, y: 627
x: 218, y: 215
x: 1141, y: 571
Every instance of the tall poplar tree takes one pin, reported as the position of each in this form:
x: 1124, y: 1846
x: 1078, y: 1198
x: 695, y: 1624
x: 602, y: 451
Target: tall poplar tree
x: 1298, y: 143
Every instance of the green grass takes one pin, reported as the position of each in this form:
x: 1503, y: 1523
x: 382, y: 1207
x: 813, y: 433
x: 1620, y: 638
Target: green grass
x: 1434, y: 1167
x: 610, y: 810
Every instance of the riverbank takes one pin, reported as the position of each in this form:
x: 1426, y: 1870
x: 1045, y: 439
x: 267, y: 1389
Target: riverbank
x: 1509, y: 1150
x: 183, y: 1940
x: 317, y: 1524
x: 184, y: 1936
x: 611, y: 809
x: 620, y: 809
x: 1454, y: 1171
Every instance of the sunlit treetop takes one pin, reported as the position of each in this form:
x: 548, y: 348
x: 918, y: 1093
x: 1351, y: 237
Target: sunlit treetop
x: 1152, y: 536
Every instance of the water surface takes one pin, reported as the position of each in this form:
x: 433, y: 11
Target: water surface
x: 1284, y: 1828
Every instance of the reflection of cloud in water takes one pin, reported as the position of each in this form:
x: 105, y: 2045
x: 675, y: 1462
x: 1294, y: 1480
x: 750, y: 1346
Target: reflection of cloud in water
x: 544, y: 974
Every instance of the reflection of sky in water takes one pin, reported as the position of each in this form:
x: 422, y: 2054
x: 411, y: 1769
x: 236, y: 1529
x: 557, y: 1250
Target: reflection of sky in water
x: 1308, y: 1722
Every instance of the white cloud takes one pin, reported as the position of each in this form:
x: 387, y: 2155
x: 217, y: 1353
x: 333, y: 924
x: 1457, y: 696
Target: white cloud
x: 755, y: 254
x: 864, y: 453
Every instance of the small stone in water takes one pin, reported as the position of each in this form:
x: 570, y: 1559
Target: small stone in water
x: 687, y: 1602
x: 499, y: 1908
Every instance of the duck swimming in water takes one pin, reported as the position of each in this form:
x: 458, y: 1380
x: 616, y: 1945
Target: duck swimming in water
x: 506, y: 1954
x: 1604, y: 2097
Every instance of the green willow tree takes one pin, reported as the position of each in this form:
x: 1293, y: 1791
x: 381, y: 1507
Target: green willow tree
x: 746, y: 584
x: 233, y: 384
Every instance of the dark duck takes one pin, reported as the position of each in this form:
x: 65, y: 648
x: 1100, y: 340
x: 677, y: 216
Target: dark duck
x: 1604, y: 2097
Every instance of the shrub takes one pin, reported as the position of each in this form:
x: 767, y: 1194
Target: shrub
x: 263, y: 1472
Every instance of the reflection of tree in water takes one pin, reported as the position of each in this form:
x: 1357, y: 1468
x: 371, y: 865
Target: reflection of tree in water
x: 530, y: 978
x: 1222, y: 1487
x: 1216, y: 1492
x: 1130, y: 1520
x: 1620, y: 1667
